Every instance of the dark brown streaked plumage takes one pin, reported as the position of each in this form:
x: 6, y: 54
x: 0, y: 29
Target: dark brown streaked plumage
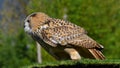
x: 62, y: 39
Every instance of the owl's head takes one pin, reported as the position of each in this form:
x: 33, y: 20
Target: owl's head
x: 34, y: 21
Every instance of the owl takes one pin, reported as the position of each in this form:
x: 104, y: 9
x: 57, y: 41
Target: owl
x: 62, y: 39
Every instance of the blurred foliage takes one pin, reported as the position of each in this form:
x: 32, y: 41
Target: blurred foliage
x: 16, y: 51
x: 99, y: 17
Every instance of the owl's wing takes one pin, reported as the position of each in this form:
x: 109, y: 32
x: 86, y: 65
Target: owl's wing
x: 63, y: 32
x: 65, y: 35
x: 54, y: 30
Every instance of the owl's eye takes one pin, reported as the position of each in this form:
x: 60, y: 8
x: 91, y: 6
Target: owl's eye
x: 28, y: 21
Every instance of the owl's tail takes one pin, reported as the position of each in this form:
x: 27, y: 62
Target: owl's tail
x: 97, y: 54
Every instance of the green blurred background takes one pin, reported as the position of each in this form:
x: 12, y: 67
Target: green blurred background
x: 101, y: 18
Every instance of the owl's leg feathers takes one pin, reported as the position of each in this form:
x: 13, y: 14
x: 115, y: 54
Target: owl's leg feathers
x: 74, y: 55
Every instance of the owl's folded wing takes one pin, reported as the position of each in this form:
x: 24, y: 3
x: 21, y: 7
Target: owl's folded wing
x: 65, y: 35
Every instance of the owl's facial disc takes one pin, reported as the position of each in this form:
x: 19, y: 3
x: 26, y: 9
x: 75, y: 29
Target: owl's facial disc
x: 27, y: 27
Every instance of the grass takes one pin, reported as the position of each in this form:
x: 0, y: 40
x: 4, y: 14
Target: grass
x: 85, y: 63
